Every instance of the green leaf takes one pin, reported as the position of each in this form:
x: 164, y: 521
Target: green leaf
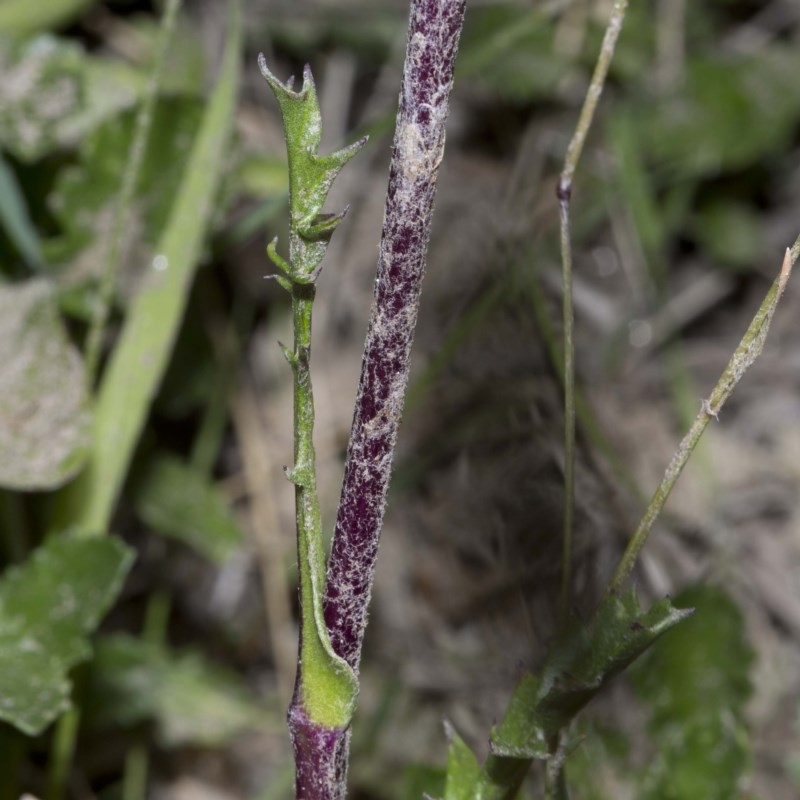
x: 22, y: 18
x: 192, y: 702
x: 462, y: 769
x: 578, y: 667
x: 53, y: 94
x: 178, y: 501
x: 142, y: 352
x: 48, y: 608
x: 699, y: 757
x: 45, y: 421
x: 697, y: 683
x: 15, y: 219
x: 310, y: 174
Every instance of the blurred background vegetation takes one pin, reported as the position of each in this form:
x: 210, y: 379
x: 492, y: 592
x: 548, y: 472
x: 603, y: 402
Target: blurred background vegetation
x: 688, y: 195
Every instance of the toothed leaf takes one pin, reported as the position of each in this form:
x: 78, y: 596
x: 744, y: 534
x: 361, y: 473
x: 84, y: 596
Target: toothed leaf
x: 579, y: 666
x: 48, y: 608
x: 310, y: 174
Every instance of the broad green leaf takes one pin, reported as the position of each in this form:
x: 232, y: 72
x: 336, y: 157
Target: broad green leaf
x: 142, y: 352
x: 42, y: 86
x: 178, y: 501
x: 48, y: 607
x: 22, y: 17
x: 579, y: 665
x: 696, y: 681
x: 53, y: 93
x: 45, y: 421
x: 703, y: 756
x: 192, y: 702
x: 14, y: 217
x: 85, y: 194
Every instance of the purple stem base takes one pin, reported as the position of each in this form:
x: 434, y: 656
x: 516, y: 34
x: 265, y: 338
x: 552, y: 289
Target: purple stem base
x: 320, y: 755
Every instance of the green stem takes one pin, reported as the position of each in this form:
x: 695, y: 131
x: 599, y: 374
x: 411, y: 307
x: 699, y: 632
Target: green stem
x: 313, y: 664
x: 62, y: 752
x: 133, y: 167
x: 137, y: 765
x: 326, y: 686
x: 746, y: 353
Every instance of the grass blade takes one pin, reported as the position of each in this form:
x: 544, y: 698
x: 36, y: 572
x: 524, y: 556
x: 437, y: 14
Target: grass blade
x: 24, y: 18
x: 141, y: 355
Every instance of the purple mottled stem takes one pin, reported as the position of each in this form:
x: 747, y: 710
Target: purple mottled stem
x: 320, y: 755
x: 434, y: 31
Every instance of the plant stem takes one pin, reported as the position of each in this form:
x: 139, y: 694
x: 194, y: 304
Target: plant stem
x: 325, y: 687
x: 137, y: 765
x: 434, y: 31
x: 569, y: 409
x: 564, y: 192
x: 746, y: 353
x: 133, y: 167
x: 61, y: 753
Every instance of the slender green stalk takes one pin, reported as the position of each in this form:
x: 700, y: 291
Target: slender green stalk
x: 62, y: 752
x: 326, y: 686
x: 746, y: 353
x: 318, y: 676
x: 564, y: 192
x: 133, y: 167
x: 578, y: 140
x: 137, y: 765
